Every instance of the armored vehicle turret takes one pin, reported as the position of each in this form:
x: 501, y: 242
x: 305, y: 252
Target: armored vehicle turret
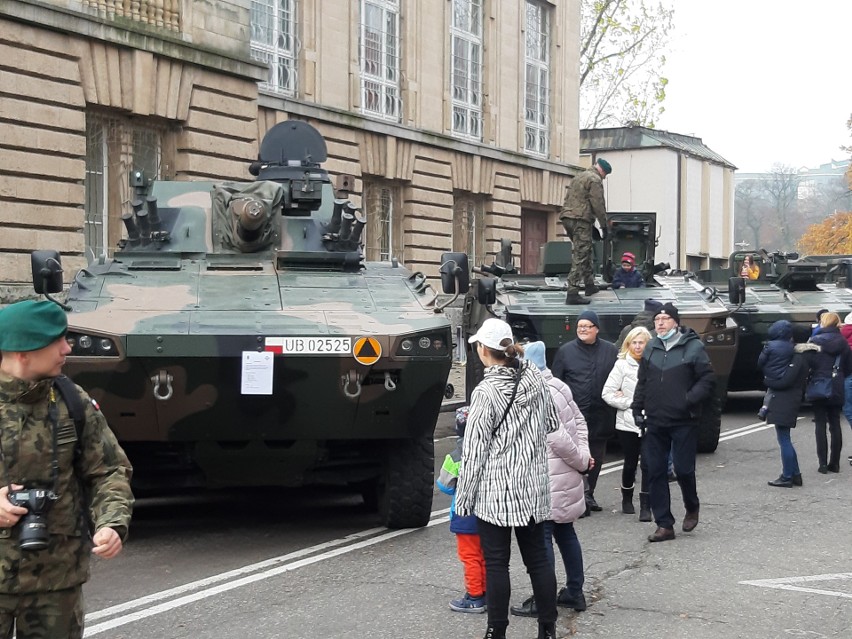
x: 534, y: 304
x: 787, y: 287
x: 239, y: 338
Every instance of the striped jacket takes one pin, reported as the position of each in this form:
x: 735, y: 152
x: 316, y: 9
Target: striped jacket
x: 503, y: 477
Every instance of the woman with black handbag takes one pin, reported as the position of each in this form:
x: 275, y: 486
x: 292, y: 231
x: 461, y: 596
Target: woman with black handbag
x: 829, y: 368
x: 503, y: 478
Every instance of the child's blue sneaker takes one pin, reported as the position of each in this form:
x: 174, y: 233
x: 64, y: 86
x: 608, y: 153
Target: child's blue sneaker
x: 468, y: 604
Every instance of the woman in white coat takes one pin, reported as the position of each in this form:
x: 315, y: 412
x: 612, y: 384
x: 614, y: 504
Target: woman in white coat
x: 618, y: 393
x: 568, y: 459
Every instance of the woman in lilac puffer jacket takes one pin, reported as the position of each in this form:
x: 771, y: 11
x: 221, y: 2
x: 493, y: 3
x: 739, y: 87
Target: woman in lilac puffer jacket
x: 568, y: 460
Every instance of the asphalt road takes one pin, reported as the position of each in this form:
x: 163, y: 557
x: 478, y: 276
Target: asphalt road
x: 763, y: 562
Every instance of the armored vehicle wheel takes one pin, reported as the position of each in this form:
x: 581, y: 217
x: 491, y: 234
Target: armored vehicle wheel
x: 405, y: 499
x: 710, y: 425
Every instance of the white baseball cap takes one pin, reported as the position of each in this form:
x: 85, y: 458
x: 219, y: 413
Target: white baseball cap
x: 492, y: 333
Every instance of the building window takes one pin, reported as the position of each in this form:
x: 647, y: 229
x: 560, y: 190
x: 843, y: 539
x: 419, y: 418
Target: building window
x: 469, y: 228
x: 466, y: 31
x: 537, y: 80
x: 383, y: 233
x: 114, y: 148
x: 273, y: 42
x: 380, y: 62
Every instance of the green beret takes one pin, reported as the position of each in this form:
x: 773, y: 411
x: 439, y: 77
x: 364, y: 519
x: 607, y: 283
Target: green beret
x: 30, y: 325
x: 606, y: 166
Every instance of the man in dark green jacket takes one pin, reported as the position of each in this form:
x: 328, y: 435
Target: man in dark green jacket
x: 84, y: 482
x: 675, y: 377
x: 584, y: 203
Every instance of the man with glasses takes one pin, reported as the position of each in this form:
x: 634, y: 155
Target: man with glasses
x: 675, y: 378
x: 584, y: 203
x: 584, y: 364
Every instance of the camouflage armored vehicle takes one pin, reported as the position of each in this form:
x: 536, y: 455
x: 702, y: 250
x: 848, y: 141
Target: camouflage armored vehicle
x: 789, y: 288
x: 239, y: 338
x: 534, y: 304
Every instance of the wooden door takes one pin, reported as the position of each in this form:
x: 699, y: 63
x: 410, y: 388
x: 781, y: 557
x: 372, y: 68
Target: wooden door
x: 533, y: 237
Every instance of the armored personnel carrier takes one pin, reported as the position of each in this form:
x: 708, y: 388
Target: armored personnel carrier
x: 788, y: 287
x: 239, y: 338
x: 534, y: 304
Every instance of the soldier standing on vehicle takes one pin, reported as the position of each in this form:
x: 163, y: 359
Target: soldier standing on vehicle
x: 65, y: 472
x: 584, y: 203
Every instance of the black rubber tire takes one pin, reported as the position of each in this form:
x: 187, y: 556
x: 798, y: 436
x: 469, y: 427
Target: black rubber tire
x: 710, y: 425
x: 406, y: 496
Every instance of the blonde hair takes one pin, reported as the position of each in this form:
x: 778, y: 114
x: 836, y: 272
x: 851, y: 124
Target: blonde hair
x: 829, y: 319
x: 639, y: 331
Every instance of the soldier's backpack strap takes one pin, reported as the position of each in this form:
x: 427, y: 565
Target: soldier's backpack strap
x: 75, y: 406
x: 77, y: 410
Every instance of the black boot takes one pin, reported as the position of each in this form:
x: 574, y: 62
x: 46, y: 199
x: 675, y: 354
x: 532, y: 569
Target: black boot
x: 627, y: 501
x: 591, y: 504
x: 644, y: 507
x: 495, y: 633
x: 547, y: 631
x: 590, y: 289
x: 574, y: 298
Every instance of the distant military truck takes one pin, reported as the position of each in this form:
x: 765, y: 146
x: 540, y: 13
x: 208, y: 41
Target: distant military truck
x: 789, y: 288
x: 239, y: 338
x: 534, y: 304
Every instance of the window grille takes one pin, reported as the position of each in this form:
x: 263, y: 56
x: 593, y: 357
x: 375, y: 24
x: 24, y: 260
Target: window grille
x: 380, y: 59
x: 382, y: 234
x: 273, y: 42
x: 469, y: 228
x: 114, y: 148
x: 537, y: 80
x: 466, y: 30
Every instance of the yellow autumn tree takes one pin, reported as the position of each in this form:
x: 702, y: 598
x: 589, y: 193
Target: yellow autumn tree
x: 832, y: 236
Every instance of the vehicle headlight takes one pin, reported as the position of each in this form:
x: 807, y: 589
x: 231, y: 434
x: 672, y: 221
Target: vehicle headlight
x: 429, y: 345
x: 83, y: 345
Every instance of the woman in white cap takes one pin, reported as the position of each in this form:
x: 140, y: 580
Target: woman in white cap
x: 503, y: 478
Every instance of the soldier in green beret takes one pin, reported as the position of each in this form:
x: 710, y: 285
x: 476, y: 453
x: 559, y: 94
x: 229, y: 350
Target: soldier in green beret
x: 86, y: 481
x: 584, y: 203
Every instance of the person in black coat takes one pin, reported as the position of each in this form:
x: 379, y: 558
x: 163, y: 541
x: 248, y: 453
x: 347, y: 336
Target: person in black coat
x: 584, y: 364
x: 834, y: 362
x: 784, y: 396
x: 675, y: 378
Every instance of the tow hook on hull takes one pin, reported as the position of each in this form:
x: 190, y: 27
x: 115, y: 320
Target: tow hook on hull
x: 389, y: 383
x: 162, y: 378
x: 351, y: 384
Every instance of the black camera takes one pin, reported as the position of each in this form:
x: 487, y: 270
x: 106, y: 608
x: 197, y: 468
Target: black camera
x: 34, y: 534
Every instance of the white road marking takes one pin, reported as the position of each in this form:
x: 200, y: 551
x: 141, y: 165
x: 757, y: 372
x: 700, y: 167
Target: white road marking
x: 789, y: 583
x: 230, y: 580
x: 205, y: 587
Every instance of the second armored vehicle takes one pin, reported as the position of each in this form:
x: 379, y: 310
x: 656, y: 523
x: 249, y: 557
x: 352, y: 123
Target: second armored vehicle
x: 534, y: 304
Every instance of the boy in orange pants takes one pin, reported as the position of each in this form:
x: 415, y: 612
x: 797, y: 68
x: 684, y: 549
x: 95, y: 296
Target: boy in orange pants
x: 467, y: 535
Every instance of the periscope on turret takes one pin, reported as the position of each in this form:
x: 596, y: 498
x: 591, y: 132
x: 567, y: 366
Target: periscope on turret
x: 239, y: 337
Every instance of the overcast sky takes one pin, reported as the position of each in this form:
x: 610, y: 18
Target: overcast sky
x: 762, y: 81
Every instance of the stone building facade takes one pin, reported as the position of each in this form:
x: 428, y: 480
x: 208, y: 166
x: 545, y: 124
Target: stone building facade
x: 459, y: 118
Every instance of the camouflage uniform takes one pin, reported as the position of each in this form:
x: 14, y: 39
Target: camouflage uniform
x: 584, y: 202
x: 40, y: 590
